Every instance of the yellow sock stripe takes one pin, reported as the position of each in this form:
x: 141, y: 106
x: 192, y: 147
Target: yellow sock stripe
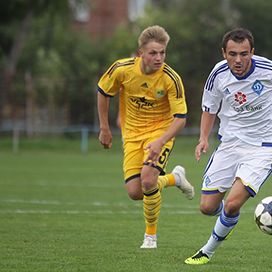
x: 152, y: 206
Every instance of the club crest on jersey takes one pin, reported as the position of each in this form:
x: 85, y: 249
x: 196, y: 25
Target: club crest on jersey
x: 240, y: 98
x: 257, y: 87
x: 207, y: 180
x: 159, y: 93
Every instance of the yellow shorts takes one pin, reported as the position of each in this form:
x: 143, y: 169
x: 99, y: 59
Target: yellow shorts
x: 135, y: 156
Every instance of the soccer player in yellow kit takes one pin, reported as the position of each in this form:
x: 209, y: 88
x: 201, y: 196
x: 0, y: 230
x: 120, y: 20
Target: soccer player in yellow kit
x: 152, y: 112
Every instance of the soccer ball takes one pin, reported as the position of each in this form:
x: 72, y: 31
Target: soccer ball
x: 263, y: 215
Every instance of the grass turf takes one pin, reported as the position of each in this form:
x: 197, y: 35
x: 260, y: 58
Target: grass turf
x: 64, y: 211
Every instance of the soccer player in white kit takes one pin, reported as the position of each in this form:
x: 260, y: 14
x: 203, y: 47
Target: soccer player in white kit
x: 238, y: 91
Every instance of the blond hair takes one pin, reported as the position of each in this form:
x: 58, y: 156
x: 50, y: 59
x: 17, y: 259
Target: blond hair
x: 154, y: 33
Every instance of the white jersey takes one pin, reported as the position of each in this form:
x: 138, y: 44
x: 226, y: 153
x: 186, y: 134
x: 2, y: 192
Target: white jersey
x: 243, y: 104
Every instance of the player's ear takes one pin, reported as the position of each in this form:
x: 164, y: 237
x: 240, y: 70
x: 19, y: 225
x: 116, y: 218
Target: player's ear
x: 224, y: 53
x: 252, y: 51
x: 140, y: 51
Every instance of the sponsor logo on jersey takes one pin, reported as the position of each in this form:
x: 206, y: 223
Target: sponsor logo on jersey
x: 257, y: 87
x: 248, y: 108
x: 142, y: 102
x: 240, y: 98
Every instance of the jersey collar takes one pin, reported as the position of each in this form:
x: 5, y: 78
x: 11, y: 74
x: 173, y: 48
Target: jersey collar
x: 252, y: 68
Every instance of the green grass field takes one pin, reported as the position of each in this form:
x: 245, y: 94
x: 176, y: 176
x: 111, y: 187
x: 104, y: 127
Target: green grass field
x: 64, y: 211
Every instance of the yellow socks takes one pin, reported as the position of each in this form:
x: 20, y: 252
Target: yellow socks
x: 165, y: 181
x: 152, y: 207
x: 152, y: 203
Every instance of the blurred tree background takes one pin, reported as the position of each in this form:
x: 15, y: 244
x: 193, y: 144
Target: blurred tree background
x: 50, y: 69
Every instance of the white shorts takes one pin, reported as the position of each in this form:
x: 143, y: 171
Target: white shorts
x: 252, y: 164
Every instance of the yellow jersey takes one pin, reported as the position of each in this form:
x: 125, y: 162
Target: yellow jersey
x: 148, y: 102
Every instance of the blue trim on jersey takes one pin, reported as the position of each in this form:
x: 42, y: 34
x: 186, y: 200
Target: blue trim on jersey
x: 252, y: 68
x: 224, y: 67
x: 264, y: 67
x: 214, y: 74
x: 102, y: 92
x: 267, y: 61
x: 179, y: 115
x: 263, y: 64
x: 266, y: 144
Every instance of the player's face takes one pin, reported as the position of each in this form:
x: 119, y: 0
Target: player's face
x: 238, y: 56
x: 153, y: 56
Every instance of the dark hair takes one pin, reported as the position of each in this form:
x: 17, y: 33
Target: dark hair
x: 238, y: 35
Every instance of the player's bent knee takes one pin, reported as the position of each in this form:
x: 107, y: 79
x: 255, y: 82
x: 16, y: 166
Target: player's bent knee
x: 135, y: 195
x: 207, y: 209
x: 231, y: 207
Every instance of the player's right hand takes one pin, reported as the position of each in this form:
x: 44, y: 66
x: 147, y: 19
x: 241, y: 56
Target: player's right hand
x: 202, y: 147
x: 105, y: 138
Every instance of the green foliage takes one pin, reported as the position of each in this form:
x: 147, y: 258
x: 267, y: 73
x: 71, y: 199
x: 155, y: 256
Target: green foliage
x: 254, y: 16
x: 65, y: 64
x: 13, y: 12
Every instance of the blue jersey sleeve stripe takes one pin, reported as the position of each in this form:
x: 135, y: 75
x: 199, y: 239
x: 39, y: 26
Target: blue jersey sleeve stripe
x: 261, y: 66
x: 214, y: 72
x: 210, y: 80
x: 266, y: 62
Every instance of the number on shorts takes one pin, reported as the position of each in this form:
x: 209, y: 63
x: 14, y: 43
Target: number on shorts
x: 164, y: 156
